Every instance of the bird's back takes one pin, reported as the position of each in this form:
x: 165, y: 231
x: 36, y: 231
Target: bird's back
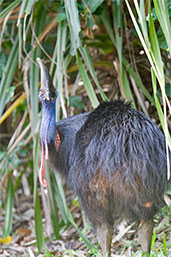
x: 119, y: 163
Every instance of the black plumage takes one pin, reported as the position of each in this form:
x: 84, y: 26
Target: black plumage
x: 114, y: 158
x: 118, y: 151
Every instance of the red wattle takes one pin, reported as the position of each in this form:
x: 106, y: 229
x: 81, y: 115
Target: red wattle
x: 42, y: 169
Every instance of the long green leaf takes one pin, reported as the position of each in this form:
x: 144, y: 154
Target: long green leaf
x: 18, y: 181
x: 158, y: 106
x: 118, y: 26
x: 34, y: 70
x: 159, y: 68
x: 107, y: 23
x: 142, y: 20
x: 38, y: 222
x: 137, y: 80
x: 61, y: 200
x: 36, y: 152
x: 8, y: 74
x: 164, y: 20
x: 52, y: 203
x: 94, y: 4
x: 60, y: 69
x: 26, y: 7
x: 8, y: 208
x: 73, y: 22
x: 60, y: 197
x: 87, y: 84
x: 88, y: 61
x: 126, y: 87
x: 37, y: 208
x: 9, y: 8
x: 145, y: 44
x: 88, y: 243
x: 34, y: 78
x: 156, y: 49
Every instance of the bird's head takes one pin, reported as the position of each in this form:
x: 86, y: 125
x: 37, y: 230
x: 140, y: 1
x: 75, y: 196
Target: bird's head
x: 48, y: 132
x: 47, y: 91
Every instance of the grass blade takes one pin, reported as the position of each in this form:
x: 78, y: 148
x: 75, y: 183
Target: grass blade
x: 94, y: 4
x: 87, y: 84
x: 118, y: 27
x: 37, y: 208
x: 9, y: 8
x: 73, y: 22
x: 88, y: 243
x: 60, y: 197
x: 60, y: 69
x: 137, y: 80
x: 156, y: 50
x: 66, y: 212
x: 8, y: 208
x: 107, y: 23
x: 26, y: 7
x: 164, y: 20
x: 52, y: 203
x: 38, y: 222
x: 88, y: 61
x: 8, y: 74
x: 162, y: 120
x: 12, y: 107
x: 126, y: 87
x: 34, y: 79
x: 161, y: 78
x: 140, y: 35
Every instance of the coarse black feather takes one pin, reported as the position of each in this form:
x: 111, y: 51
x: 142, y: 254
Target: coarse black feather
x: 123, y: 152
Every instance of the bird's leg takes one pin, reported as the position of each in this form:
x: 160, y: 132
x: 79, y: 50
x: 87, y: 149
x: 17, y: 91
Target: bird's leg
x: 145, y: 233
x: 104, y: 237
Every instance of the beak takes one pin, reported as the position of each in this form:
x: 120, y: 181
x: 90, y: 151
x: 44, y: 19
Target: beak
x: 47, y: 90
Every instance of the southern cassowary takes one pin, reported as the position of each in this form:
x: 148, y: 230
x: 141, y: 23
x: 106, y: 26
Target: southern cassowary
x: 114, y: 158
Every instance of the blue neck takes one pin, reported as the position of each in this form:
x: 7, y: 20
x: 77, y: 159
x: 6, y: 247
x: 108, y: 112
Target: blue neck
x: 47, y: 129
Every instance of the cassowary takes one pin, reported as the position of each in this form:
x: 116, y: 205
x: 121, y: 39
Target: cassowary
x: 114, y: 158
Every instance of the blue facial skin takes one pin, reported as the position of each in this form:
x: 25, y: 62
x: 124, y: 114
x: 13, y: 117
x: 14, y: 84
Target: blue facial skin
x: 47, y: 129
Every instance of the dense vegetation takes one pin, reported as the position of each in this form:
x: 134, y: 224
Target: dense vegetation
x: 95, y: 50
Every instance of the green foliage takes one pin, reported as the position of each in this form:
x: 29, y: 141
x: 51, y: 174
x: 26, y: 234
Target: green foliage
x: 2, y: 62
x: 38, y: 222
x: 48, y: 254
x: 8, y: 208
x: 8, y: 73
x: 75, y: 101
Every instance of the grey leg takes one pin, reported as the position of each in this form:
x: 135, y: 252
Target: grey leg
x: 104, y: 237
x: 145, y: 233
